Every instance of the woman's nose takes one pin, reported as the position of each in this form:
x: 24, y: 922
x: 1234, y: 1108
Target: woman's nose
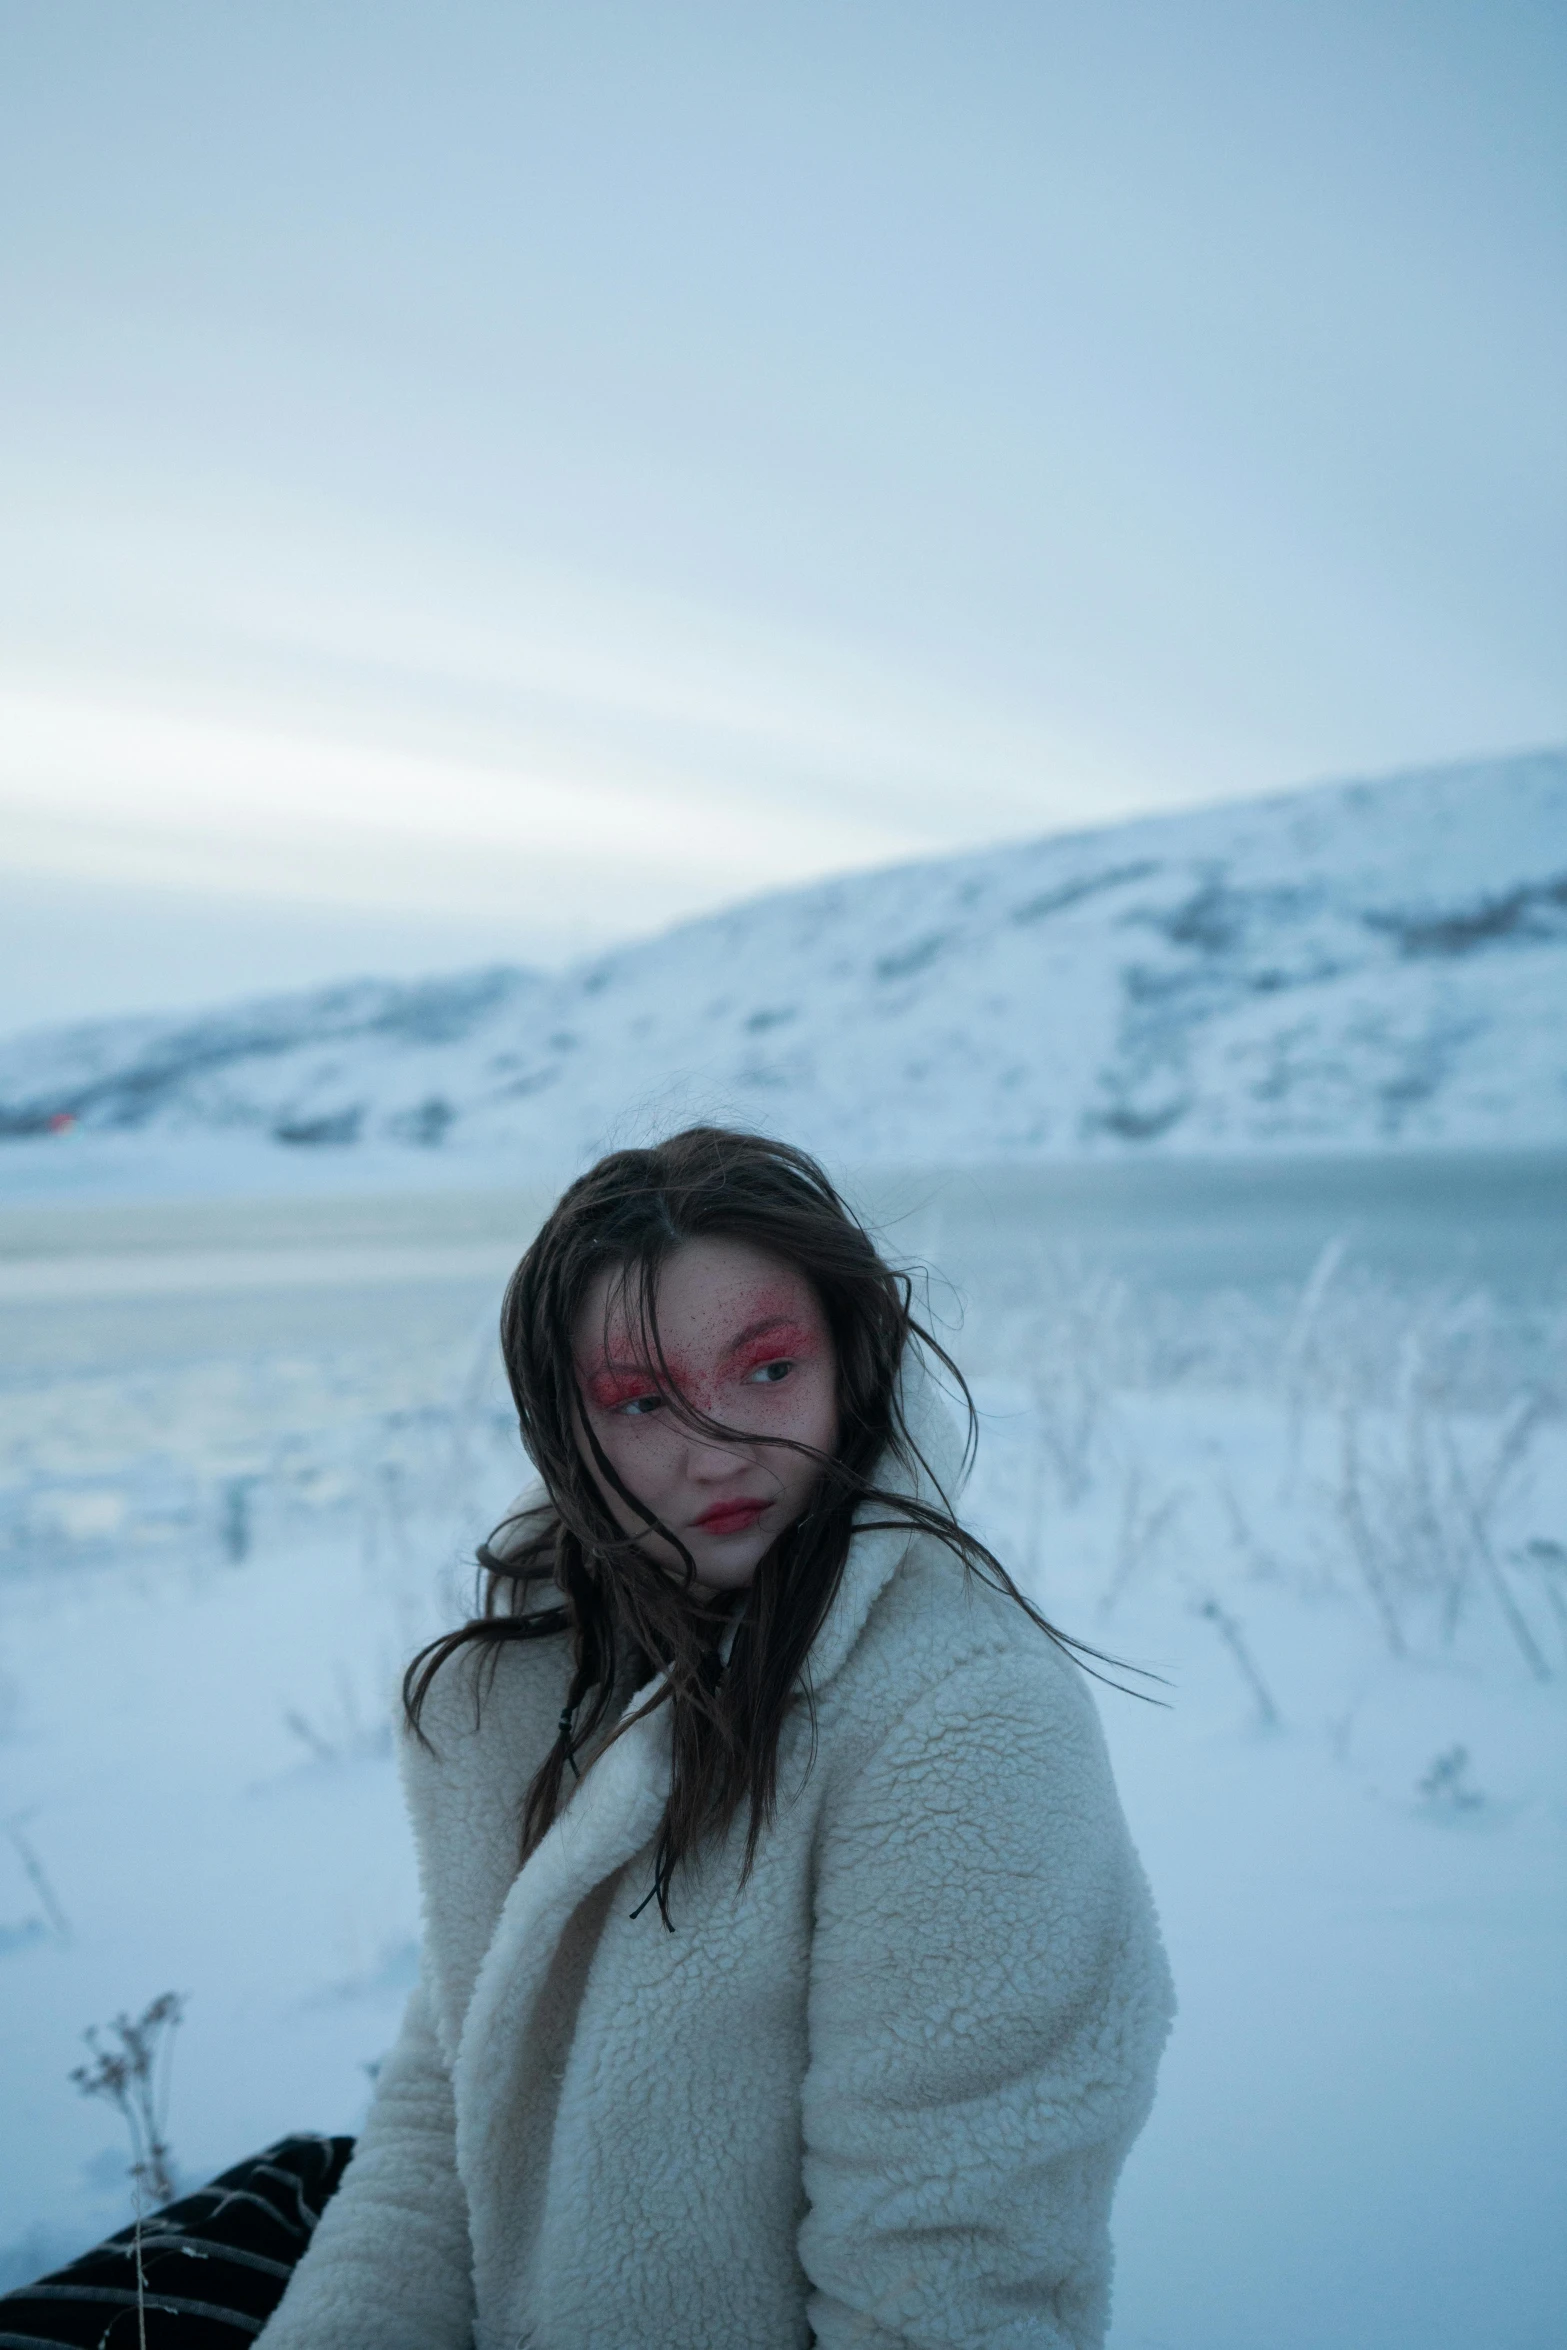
x: 711, y: 1458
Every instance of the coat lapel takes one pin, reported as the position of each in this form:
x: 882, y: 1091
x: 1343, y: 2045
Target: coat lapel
x: 612, y: 1816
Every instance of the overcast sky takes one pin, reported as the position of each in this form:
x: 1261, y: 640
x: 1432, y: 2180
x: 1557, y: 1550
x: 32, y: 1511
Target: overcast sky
x: 482, y: 479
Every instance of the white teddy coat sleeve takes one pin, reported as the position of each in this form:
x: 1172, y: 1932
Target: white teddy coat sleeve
x: 987, y: 2003
x: 390, y: 2262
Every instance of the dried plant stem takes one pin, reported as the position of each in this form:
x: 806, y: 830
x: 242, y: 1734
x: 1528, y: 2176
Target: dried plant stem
x: 38, y: 1877
x: 1300, y: 1344
x: 134, y: 2077
x: 1352, y: 1508
x: 1513, y: 1615
x: 1539, y: 1555
x: 1234, y: 1639
x: 141, y: 2274
x: 1142, y: 1526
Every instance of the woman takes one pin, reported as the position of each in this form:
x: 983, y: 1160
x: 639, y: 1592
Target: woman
x: 827, y: 1998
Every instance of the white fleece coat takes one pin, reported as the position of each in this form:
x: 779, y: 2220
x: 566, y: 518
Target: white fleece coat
x: 879, y: 2095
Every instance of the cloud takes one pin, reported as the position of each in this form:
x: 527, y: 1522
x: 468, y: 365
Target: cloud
x: 132, y: 790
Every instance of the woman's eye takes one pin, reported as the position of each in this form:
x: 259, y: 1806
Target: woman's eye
x: 769, y: 1374
x: 637, y: 1407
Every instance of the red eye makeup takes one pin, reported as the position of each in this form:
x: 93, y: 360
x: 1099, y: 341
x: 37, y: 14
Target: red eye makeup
x: 608, y: 1389
x: 781, y: 1342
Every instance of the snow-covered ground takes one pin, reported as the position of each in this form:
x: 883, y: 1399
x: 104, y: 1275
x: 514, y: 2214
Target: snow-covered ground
x: 1287, y: 1437
x: 1366, y: 966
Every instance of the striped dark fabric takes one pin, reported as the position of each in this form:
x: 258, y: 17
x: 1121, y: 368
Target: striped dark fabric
x: 213, y: 2264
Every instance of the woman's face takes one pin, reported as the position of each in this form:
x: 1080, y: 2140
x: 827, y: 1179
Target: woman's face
x: 745, y: 1342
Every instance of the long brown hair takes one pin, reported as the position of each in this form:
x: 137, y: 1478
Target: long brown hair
x: 564, y: 1567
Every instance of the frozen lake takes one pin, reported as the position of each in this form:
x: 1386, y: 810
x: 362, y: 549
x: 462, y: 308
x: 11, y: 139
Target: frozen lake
x: 136, y: 1280
x: 1491, y: 1218
x: 1286, y: 1434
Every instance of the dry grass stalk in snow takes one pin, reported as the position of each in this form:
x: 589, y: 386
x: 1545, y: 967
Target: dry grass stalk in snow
x: 1230, y: 1632
x: 1419, y: 1498
x: 133, y: 2074
x: 38, y: 1877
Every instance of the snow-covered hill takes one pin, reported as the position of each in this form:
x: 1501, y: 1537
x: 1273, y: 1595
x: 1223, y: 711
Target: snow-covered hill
x: 1350, y: 967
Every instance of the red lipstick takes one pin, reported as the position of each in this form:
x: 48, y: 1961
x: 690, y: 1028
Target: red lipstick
x: 731, y: 1517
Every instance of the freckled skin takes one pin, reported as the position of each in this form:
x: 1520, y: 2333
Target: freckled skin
x: 746, y: 1343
